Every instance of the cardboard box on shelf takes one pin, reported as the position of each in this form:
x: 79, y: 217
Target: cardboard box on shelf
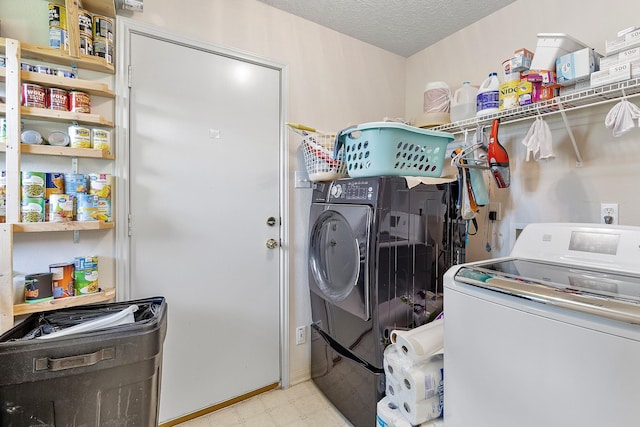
x: 626, y: 39
x: 628, y: 55
x: 614, y: 74
x: 576, y: 66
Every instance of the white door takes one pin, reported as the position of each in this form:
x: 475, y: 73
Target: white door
x: 204, y: 141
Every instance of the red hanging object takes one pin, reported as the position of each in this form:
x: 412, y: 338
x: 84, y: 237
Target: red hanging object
x: 498, y: 158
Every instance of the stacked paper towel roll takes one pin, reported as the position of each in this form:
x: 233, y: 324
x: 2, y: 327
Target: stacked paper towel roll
x: 390, y: 416
x: 414, y: 372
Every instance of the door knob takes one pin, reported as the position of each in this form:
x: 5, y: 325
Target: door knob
x: 272, y: 244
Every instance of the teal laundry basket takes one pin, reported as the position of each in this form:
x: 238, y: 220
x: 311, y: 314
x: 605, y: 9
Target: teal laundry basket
x: 392, y: 149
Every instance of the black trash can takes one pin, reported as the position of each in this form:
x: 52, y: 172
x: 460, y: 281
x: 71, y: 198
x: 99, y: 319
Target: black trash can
x: 107, y: 376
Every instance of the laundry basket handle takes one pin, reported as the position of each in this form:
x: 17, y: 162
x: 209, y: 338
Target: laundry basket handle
x: 339, y: 142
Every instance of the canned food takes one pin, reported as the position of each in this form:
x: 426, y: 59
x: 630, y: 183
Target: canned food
x: 63, y: 72
x: 61, y: 208
x: 85, y: 19
x: 86, y: 45
x: 33, y: 95
x: 32, y: 210
x: 57, y: 16
x: 100, y: 184
x: 31, y: 137
x: 3, y: 61
x: 86, y: 207
x: 79, y: 137
x: 76, y: 183
x: 57, y: 99
x: 42, y: 69
x: 60, y: 139
x: 54, y: 184
x: 58, y: 38
x: 103, y: 27
x: 37, y: 287
x: 101, y: 139
x: 62, y: 279
x: 32, y: 184
x: 3, y: 209
x: 3, y: 131
x: 25, y: 66
x: 86, y: 275
x: 79, y: 102
x: 103, y: 48
x: 104, y: 209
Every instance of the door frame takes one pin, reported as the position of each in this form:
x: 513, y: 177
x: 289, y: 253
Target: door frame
x: 125, y: 27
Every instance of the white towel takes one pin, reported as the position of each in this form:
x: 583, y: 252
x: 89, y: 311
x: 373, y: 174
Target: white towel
x: 538, y: 141
x: 621, y: 117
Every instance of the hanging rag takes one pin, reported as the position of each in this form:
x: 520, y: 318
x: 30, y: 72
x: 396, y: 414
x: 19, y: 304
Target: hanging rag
x: 538, y: 141
x: 621, y: 117
x: 476, y: 176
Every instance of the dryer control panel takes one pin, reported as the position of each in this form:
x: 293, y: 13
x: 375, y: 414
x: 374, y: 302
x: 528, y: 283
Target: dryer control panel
x: 363, y: 191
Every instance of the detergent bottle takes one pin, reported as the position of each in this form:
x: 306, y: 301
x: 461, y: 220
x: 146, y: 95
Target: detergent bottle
x: 488, y: 99
x: 463, y: 103
x: 498, y: 158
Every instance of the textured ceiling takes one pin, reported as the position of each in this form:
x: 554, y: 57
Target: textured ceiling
x: 400, y: 26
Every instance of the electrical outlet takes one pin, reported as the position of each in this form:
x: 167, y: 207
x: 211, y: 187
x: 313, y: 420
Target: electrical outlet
x: 301, y: 335
x: 497, y: 209
x: 608, y: 213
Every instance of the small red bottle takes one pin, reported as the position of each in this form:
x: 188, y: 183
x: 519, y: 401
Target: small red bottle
x: 498, y: 158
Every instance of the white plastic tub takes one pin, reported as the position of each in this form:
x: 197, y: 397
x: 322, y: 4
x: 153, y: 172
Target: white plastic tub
x: 550, y: 46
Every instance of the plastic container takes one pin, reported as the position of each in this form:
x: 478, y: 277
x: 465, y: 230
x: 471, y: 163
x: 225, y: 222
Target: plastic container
x: 550, y: 46
x: 463, y: 102
x: 393, y: 149
x: 488, y: 98
x: 107, y: 376
x: 437, y: 100
x: 320, y: 160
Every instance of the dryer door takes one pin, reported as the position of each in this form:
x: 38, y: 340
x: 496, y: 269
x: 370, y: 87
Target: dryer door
x: 339, y: 255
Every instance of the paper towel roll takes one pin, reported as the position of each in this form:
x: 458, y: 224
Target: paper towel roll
x: 388, y: 415
x: 395, y: 363
x: 422, y: 411
x: 423, y: 381
x: 422, y: 342
x: 393, y: 390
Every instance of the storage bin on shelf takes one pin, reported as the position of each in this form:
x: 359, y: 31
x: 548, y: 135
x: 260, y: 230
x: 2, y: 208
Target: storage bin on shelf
x: 393, y: 149
x: 318, y: 150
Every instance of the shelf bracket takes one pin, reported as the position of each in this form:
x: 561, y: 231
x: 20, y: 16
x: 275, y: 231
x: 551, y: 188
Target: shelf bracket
x: 76, y: 236
x: 571, y: 137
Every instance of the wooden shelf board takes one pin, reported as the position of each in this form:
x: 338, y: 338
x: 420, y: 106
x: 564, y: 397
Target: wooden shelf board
x: 64, y: 116
x: 39, y: 227
x: 101, y: 7
x: 52, y: 150
x: 101, y: 296
x: 57, y: 56
x: 93, y: 88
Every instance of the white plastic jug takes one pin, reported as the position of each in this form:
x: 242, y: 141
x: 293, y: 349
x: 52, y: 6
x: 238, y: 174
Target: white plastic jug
x: 488, y: 98
x: 463, y: 103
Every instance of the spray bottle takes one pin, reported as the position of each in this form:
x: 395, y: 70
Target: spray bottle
x: 498, y: 158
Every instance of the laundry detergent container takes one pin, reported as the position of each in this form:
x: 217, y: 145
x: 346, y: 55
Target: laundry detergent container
x: 105, y: 375
x: 393, y: 149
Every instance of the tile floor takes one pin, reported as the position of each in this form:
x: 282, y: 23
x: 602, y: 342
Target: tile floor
x: 298, y: 406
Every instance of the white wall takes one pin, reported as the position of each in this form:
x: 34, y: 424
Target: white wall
x: 542, y: 192
x: 334, y: 81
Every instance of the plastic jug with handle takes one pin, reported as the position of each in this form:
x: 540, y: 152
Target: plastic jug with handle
x: 463, y: 103
x: 488, y: 99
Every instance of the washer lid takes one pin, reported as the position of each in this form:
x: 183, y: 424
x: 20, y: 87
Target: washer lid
x: 601, y: 293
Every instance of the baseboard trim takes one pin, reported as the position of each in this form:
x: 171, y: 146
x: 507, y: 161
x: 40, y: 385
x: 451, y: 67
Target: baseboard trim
x: 219, y: 406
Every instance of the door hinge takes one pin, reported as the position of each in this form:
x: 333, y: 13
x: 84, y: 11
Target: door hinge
x: 129, y: 76
x: 129, y: 226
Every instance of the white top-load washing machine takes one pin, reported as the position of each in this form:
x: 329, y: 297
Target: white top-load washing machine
x: 549, y: 336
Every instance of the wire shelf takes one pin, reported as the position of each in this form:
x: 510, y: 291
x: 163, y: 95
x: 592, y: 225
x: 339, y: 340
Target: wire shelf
x: 580, y: 99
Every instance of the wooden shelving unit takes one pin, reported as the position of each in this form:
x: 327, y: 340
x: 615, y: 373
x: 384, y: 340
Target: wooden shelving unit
x: 13, y: 77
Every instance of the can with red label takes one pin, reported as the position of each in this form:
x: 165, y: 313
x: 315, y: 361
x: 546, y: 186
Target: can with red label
x: 79, y: 102
x: 33, y: 95
x: 57, y: 99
